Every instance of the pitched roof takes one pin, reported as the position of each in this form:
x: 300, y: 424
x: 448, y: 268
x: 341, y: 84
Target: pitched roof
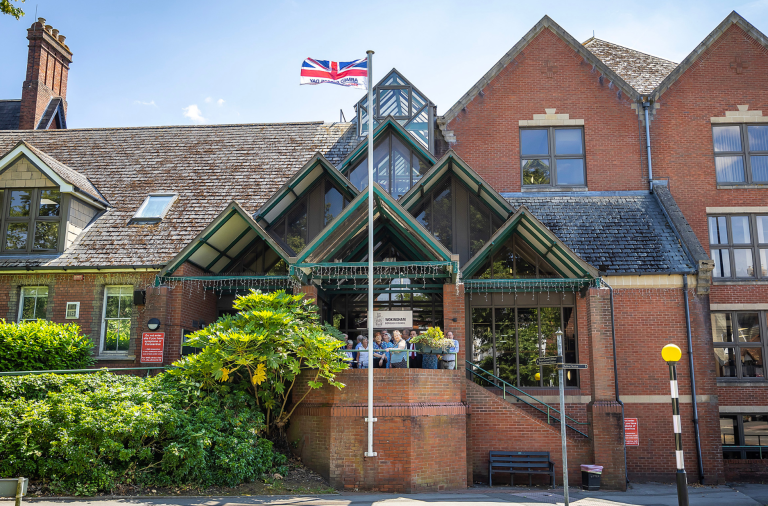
x: 9, y: 114
x: 54, y: 106
x: 81, y: 183
x: 642, y: 71
x: 625, y: 232
x: 734, y: 18
x: 545, y: 23
x: 208, y: 166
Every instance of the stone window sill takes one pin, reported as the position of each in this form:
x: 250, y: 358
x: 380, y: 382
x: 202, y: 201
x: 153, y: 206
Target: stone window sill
x: 741, y: 383
x: 739, y: 281
x: 102, y: 358
x: 742, y: 187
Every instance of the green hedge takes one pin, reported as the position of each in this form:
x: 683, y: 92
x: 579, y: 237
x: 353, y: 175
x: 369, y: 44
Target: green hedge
x: 42, y: 345
x: 88, y: 433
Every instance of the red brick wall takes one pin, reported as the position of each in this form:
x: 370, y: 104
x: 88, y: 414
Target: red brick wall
x: 681, y: 131
x: 487, y: 132
x: 187, y: 303
x: 497, y: 425
x: 419, y: 436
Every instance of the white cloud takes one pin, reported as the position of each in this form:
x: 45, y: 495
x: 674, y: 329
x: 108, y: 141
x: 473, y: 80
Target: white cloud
x: 208, y: 100
x: 220, y: 101
x: 193, y: 112
x: 151, y: 102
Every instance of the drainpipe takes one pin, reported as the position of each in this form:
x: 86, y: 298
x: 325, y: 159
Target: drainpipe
x: 693, y: 380
x: 646, y: 105
x: 616, y: 380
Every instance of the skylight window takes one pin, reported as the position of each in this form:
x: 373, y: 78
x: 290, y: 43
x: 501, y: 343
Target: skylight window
x: 155, y: 207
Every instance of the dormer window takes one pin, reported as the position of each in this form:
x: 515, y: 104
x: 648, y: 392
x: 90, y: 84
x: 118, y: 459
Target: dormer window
x: 155, y: 207
x: 31, y: 219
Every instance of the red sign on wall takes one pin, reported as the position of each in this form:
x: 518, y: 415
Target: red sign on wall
x: 152, y: 347
x: 631, y: 432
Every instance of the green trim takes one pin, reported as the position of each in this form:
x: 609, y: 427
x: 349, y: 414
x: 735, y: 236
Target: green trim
x: 378, y: 131
x: 200, y: 241
x: 561, y: 255
x: 543, y: 256
x: 224, y: 278
x: 528, y: 285
x: 365, y: 264
x: 492, y: 246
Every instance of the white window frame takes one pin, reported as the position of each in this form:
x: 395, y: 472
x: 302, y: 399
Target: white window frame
x: 21, y: 303
x: 104, y: 321
x: 136, y: 217
x: 77, y: 311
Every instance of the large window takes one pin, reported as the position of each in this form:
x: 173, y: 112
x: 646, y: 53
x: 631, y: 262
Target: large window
x: 116, y: 321
x: 436, y: 214
x: 739, y: 345
x: 33, y: 303
x: 396, y: 167
x: 740, y: 432
x: 508, y: 340
x: 739, y: 246
x: 552, y: 157
x: 741, y: 153
x: 31, y: 220
x: 515, y: 260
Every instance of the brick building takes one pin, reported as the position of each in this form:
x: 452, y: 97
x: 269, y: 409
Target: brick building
x: 537, y: 202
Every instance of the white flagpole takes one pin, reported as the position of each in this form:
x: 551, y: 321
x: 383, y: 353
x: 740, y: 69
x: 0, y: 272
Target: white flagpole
x: 371, y: 110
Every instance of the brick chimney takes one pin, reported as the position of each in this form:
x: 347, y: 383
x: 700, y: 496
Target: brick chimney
x: 47, y: 70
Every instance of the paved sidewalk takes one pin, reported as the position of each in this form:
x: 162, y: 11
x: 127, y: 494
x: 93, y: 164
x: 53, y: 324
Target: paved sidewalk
x: 638, y: 495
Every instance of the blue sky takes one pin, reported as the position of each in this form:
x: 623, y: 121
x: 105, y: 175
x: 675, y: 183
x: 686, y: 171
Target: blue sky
x: 170, y: 63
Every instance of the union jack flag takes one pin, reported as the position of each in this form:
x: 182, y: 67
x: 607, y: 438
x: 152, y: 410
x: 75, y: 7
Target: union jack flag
x: 344, y: 73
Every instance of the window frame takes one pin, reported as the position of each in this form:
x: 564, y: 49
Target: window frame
x: 31, y: 220
x: 155, y: 219
x: 745, y: 153
x: 102, y: 346
x: 753, y: 245
x: 737, y: 345
x: 552, y: 157
x: 21, y: 303
x: 740, y: 438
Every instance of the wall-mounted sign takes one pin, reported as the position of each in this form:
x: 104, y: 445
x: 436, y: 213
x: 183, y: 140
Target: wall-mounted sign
x: 152, y: 344
x: 631, y: 432
x: 393, y: 320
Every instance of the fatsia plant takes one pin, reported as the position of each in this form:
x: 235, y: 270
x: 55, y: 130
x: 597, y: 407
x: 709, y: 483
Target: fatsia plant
x: 266, y: 345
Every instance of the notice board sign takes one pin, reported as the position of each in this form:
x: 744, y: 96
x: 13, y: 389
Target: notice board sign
x: 393, y: 320
x: 631, y: 432
x: 152, y: 344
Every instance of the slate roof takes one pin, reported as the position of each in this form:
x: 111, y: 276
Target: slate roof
x: 208, y: 166
x: 622, y: 233
x: 9, y: 114
x: 640, y: 70
x: 71, y: 176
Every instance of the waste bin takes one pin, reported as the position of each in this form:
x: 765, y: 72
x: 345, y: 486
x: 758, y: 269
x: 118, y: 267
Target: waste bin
x: 590, y: 476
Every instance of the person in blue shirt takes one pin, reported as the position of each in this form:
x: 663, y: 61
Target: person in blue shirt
x: 388, y: 344
x: 379, y: 358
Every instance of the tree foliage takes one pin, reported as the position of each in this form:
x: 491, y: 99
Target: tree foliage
x: 42, y: 345
x: 82, y: 434
x: 6, y: 7
x: 265, y: 346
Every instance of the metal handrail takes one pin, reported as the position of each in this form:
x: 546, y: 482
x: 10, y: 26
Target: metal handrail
x: 526, y: 394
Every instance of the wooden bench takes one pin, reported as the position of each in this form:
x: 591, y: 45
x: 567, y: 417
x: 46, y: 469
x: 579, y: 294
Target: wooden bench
x: 529, y: 463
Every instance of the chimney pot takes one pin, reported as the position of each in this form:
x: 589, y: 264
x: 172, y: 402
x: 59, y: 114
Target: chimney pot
x: 41, y: 21
x: 48, y: 28
x: 62, y: 39
x: 55, y: 33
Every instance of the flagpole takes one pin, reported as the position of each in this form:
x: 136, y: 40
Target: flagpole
x: 371, y: 111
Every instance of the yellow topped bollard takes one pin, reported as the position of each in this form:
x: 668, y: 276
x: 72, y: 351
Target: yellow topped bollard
x: 671, y: 353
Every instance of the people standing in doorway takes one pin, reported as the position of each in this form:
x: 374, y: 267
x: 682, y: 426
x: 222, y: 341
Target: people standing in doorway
x: 362, y: 358
x: 398, y: 360
x: 448, y: 360
x: 379, y: 358
x: 414, y: 359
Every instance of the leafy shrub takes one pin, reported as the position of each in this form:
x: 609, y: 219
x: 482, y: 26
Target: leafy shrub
x: 42, y: 345
x: 263, y: 348
x: 89, y: 433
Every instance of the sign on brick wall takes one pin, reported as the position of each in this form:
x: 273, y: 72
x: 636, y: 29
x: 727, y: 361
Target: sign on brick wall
x: 152, y: 347
x: 631, y: 432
